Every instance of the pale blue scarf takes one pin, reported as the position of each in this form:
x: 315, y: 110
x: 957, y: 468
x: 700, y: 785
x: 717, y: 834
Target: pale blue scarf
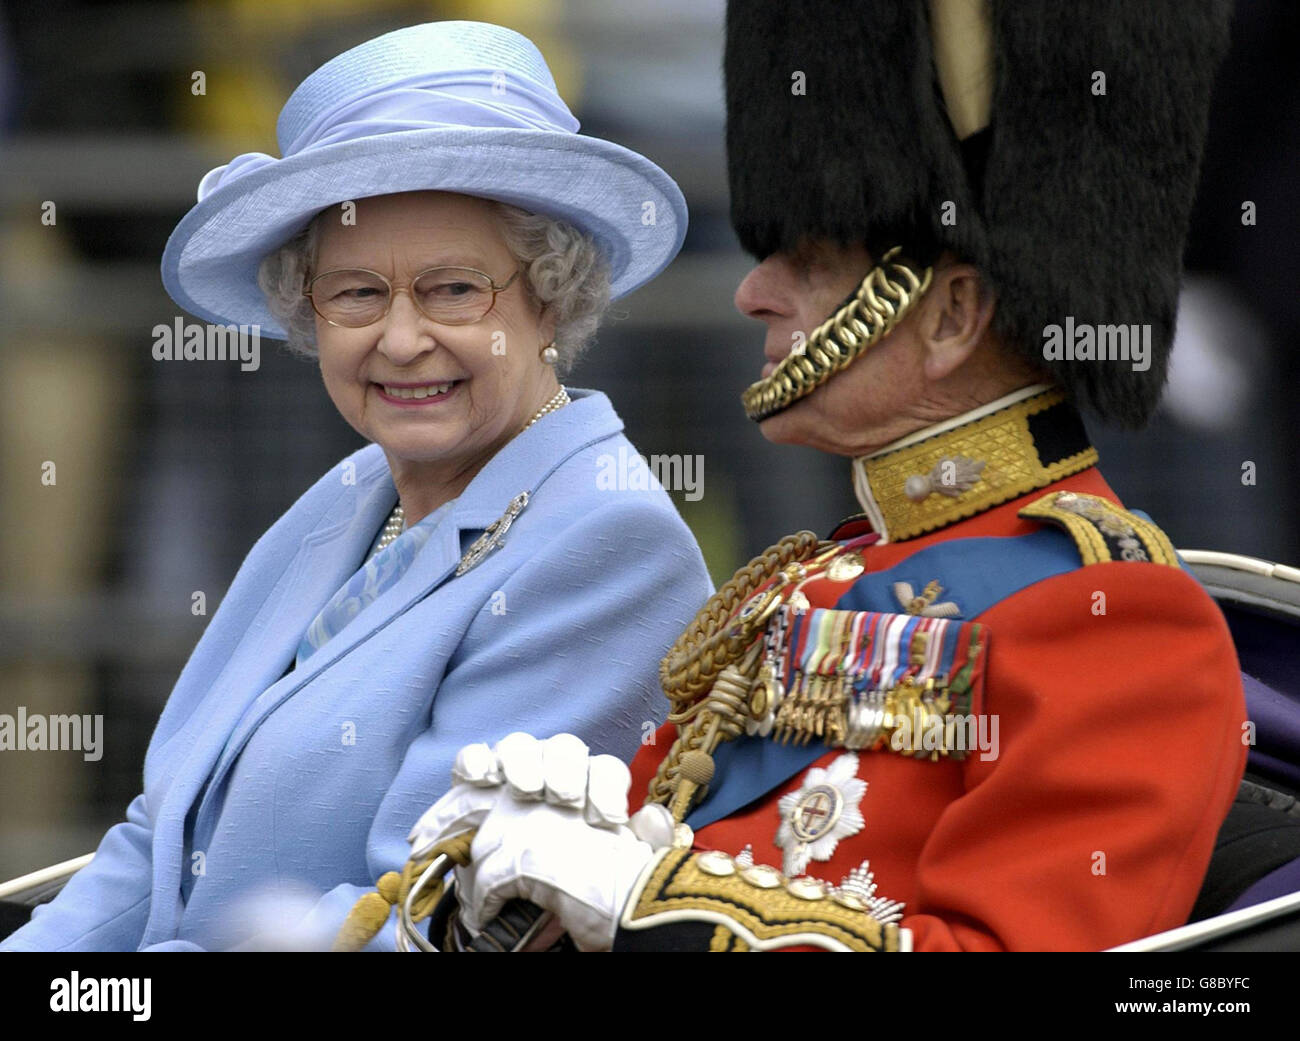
x: 379, y: 573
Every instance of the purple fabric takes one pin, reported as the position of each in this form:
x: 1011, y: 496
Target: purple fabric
x: 1280, y: 882
x: 1276, y: 753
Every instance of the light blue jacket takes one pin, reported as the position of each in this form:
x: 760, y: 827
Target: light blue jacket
x: 260, y: 782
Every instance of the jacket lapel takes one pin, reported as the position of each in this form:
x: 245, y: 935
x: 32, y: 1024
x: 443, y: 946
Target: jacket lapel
x: 321, y: 550
x: 522, y: 465
x: 435, y: 562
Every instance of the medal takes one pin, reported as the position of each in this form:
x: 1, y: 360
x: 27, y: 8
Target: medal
x: 819, y: 814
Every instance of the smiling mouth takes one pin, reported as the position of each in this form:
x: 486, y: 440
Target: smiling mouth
x: 417, y: 392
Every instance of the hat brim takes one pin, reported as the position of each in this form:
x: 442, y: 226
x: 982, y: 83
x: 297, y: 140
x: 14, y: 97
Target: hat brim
x: 633, y: 210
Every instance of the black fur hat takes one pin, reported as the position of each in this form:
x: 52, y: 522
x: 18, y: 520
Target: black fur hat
x: 1073, y: 202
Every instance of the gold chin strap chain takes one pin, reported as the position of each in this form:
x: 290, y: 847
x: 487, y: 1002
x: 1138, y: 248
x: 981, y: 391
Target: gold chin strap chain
x: 886, y: 294
x: 710, y: 673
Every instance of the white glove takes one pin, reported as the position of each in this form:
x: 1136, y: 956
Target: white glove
x: 552, y: 828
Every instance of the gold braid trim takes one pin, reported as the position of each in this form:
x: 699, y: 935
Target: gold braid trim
x: 759, y: 907
x: 721, y: 941
x: 884, y: 296
x: 706, y: 660
x: 371, y: 911
x: 708, y: 645
x: 1103, y: 531
x: 999, y: 453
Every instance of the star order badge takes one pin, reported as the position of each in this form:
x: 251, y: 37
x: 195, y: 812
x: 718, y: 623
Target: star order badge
x: 816, y: 816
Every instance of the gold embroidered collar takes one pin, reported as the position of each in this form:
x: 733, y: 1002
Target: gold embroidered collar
x: 972, y: 462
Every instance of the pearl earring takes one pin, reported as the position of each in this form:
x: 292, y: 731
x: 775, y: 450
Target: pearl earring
x: 550, y: 355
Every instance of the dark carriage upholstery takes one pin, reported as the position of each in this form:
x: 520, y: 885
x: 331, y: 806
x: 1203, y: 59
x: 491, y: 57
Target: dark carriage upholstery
x: 1257, y: 854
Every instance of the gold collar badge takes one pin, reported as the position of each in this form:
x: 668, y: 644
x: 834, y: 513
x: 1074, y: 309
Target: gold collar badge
x: 1004, y: 450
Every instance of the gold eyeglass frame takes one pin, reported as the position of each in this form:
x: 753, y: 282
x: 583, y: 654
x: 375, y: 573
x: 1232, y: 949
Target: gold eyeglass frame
x: 497, y: 290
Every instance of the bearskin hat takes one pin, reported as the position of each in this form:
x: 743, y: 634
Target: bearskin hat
x: 1073, y: 197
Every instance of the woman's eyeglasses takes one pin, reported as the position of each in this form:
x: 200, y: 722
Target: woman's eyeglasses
x: 356, y: 297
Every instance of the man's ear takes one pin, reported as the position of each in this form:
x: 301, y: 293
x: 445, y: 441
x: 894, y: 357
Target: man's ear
x: 957, y: 312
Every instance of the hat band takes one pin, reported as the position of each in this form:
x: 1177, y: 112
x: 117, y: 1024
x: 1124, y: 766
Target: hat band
x: 451, y: 100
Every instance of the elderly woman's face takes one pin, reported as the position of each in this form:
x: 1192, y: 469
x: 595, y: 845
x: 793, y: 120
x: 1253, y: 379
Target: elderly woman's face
x: 479, y: 383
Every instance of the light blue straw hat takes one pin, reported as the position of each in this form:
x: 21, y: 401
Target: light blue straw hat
x: 462, y: 107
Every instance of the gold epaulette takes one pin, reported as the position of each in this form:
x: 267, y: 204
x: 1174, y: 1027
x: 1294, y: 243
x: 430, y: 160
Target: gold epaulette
x: 753, y: 908
x: 1102, y: 530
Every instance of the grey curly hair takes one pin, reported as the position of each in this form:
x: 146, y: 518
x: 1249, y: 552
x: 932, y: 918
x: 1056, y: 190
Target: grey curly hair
x: 565, y: 270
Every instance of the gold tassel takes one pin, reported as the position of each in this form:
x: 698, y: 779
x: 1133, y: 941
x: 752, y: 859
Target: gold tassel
x: 369, y: 914
x: 371, y: 911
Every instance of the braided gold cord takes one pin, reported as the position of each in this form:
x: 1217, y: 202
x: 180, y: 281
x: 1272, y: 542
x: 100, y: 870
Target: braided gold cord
x: 371, y: 911
x: 884, y: 296
x: 722, y: 719
x: 695, y: 741
x: 709, y: 644
x: 707, y: 658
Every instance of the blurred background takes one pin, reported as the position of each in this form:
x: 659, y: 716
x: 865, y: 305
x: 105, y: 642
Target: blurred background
x: 167, y: 473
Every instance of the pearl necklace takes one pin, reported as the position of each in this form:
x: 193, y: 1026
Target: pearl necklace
x: 396, y: 522
x: 558, y: 402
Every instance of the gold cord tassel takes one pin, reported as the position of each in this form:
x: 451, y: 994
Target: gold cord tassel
x: 718, y: 656
x: 368, y: 914
x: 371, y: 911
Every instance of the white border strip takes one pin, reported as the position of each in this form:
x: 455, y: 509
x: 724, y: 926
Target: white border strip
x: 1187, y: 935
x: 1238, y: 562
x: 14, y: 888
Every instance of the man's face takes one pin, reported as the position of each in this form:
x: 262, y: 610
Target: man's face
x: 866, y: 405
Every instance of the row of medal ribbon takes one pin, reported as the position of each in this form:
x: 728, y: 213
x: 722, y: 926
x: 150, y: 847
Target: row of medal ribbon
x: 850, y: 677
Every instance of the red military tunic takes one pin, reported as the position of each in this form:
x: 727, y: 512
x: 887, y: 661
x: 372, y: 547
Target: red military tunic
x: 1119, y: 730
